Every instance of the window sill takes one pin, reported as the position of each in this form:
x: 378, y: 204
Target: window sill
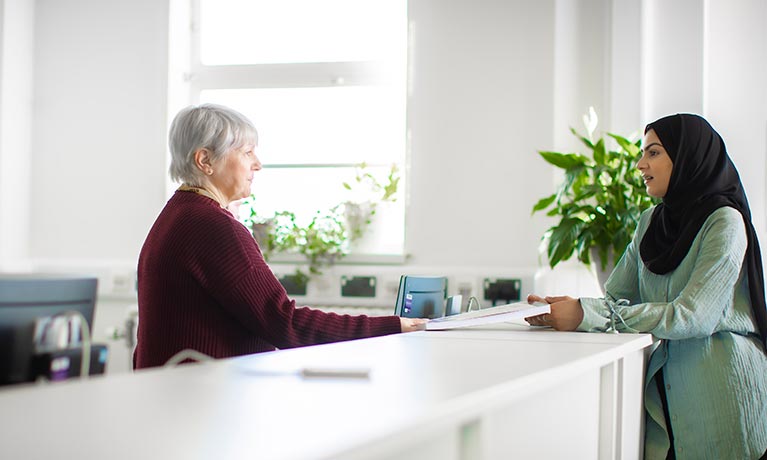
x: 350, y: 259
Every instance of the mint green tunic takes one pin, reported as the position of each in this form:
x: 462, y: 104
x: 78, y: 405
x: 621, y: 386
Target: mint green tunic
x: 714, y: 365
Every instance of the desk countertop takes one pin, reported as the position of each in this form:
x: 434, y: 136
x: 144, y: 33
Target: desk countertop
x: 259, y: 406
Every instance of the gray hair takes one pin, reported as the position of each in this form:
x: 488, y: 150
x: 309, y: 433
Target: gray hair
x: 213, y: 127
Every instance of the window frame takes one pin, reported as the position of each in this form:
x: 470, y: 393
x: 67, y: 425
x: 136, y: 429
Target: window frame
x: 199, y: 77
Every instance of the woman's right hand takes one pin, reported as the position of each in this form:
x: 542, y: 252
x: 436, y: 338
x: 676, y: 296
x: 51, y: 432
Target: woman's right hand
x: 566, y: 313
x: 532, y: 298
x: 537, y: 320
x: 413, y: 324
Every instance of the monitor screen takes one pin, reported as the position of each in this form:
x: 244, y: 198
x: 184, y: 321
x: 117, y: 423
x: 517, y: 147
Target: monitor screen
x: 421, y: 297
x: 24, y: 299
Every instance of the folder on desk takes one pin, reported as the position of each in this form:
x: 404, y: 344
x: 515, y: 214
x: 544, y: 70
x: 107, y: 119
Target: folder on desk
x: 499, y: 314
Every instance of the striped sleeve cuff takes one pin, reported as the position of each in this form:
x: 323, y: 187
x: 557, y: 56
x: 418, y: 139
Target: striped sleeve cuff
x: 596, y: 316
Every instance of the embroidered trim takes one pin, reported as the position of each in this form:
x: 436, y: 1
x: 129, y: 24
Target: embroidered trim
x: 613, y: 307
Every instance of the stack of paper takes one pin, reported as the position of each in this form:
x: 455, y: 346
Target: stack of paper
x: 489, y: 315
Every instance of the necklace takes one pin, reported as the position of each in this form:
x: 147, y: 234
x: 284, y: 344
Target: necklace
x: 199, y: 191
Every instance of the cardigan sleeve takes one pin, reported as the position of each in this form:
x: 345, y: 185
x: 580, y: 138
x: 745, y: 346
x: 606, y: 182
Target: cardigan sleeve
x: 238, y: 277
x: 269, y: 313
x: 700, y: 305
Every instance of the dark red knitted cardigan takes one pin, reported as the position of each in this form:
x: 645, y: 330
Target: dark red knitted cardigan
x: 203, y: 284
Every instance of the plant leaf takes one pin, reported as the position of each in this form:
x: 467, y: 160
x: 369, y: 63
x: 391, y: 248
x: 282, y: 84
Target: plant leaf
x: 564, y: 160
x: 544, y: 203
x: 600, y: 156
x: 562, y: 240
x: 583, y: 139
x: 631, y: 148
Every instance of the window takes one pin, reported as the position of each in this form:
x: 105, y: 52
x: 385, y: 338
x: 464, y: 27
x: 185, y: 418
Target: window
x: 324, y: 83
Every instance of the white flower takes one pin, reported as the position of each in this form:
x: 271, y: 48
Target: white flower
x: 590, y: 121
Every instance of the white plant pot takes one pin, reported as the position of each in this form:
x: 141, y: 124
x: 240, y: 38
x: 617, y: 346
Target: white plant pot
x: 596, y: 265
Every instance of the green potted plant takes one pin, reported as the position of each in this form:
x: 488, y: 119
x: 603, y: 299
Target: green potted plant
x: 322, y: 241
x: 325, y: 239
x: 599, y: 200
x: 367, y: 192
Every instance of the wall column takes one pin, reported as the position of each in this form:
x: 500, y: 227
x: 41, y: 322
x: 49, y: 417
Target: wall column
x: 16, y: 76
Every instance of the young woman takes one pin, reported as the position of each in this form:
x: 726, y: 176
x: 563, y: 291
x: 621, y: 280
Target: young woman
x: 692, y: 276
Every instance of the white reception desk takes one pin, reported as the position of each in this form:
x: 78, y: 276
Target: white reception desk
x: 487, y: 393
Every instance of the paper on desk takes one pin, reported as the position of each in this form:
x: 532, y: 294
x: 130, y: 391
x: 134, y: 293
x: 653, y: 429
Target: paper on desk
x: 490, y: 315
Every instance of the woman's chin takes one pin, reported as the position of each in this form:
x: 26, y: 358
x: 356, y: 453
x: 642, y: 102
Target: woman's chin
x: 653, y: 193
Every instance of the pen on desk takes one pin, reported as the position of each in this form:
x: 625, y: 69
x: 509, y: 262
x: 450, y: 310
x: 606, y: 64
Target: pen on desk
x: 318, y: 372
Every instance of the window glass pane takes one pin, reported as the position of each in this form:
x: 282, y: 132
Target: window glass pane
x: 296, y: 190
x: 322, y: 125
x: 304, y: 191
x: 279, y: 31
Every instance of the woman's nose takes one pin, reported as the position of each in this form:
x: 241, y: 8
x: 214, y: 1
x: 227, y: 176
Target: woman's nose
x: 641, y: 164
x: 257, y: 165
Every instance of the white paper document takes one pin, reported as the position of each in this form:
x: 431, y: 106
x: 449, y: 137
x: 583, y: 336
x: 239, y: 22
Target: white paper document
x: 489, y: 315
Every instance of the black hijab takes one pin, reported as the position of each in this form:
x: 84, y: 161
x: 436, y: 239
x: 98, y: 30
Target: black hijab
x: 703, y: 179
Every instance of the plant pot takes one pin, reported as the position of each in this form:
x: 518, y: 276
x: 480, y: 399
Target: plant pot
x: 261, y: 232
x: 374, y: 237
x: 596, y: 264
x: 357, y: 217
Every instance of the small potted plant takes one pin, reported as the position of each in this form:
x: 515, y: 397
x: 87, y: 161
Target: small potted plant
x: 325, y: 239
x: 598, y: 202
x: 368, y: 192
x: 322, y: 240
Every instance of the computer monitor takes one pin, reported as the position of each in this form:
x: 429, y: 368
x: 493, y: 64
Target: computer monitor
x: 24, y: 299
x: 421, y: 297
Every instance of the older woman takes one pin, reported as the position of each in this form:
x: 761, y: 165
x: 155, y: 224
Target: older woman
x: 693, y: 277
x: 202, y: 281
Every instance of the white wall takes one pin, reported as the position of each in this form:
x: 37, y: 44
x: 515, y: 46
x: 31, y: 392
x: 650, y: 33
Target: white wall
x: 581, y: 67
x: 100, y: 91
x: 625, y: 49
x: 672, y: 64
x: 17, y: 29
x: 735, y: 92
x: 481, y: 105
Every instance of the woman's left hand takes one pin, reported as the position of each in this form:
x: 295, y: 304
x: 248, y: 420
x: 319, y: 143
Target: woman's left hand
x: 413, y: 324
x: 566, y: 313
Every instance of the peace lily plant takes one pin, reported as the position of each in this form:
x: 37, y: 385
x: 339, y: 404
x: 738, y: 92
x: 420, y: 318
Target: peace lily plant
x: 599, y: 200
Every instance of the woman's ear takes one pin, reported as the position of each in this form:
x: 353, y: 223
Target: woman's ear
x: 203, y: 161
